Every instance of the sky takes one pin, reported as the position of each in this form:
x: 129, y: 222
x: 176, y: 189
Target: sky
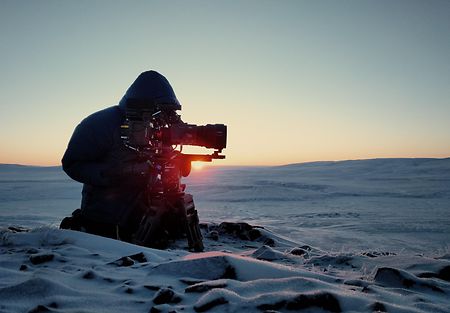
x: 294, y: 81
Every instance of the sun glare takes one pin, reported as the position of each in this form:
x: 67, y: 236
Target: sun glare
x: 197, y: 165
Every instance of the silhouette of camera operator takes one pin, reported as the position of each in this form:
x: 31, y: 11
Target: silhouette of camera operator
x: 113, y: 176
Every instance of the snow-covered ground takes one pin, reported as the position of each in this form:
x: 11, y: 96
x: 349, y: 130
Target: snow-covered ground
x: 353, y: 236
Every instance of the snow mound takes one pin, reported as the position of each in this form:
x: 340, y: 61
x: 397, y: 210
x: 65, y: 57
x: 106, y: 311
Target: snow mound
x: 51, y: 270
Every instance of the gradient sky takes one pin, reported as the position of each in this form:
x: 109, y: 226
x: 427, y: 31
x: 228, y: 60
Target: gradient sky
x: 294, y: 81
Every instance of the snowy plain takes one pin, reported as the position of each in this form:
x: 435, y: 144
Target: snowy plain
x: 350, y: 236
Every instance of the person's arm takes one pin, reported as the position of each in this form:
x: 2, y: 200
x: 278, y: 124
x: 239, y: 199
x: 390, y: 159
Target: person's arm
x: 83, y: 160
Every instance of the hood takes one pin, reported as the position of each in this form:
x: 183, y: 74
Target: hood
x: 152, y: 87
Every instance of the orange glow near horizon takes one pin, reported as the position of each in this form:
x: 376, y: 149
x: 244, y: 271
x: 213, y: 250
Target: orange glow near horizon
x: 197, y: 166
x: 40, y: 160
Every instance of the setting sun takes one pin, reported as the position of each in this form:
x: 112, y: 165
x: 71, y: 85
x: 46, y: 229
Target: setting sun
x: 197, y: 165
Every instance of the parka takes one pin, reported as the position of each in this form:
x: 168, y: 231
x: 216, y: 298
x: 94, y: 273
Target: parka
x: 96, y: 150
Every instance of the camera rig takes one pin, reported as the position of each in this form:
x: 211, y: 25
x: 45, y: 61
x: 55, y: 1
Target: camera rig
x: 157, y: 134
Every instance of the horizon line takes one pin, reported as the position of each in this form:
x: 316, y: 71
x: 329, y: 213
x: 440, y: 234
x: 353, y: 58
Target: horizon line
x: 270, y: 165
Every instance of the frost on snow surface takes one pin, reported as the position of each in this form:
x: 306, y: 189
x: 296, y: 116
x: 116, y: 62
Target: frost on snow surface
x: 51, y: 270
x: 289, y: 263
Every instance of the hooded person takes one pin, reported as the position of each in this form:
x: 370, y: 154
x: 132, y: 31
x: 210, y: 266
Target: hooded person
x: 113, y: 176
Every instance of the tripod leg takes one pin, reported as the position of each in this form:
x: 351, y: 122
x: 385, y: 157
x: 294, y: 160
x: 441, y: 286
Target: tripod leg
x: 194, y: 235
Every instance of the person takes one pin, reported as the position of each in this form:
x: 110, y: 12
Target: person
x: 113, y: 176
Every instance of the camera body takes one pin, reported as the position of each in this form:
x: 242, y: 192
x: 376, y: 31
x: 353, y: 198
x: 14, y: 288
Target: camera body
x: 157, y: 134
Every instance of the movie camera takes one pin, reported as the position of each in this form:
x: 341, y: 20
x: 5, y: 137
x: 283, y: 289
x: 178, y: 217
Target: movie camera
x: 156, y: 132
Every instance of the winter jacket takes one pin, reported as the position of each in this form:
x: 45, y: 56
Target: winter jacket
x: 96, y: 150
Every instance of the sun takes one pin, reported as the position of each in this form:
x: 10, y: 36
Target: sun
x: 197, y: 165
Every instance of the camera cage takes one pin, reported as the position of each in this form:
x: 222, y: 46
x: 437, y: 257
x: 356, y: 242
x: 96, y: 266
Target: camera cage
x: 156, y: 126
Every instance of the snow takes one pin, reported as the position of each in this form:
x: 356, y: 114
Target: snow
x: 354, y: 236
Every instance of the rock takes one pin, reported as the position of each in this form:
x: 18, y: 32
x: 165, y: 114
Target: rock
x: 88, y: 275
x: 41, y: 258
x: 138, y: 257
x: 166, y: 295
x: 323, y: 300
x: 129, y: 260
x: 243, y: 231
x: 269, y: 242
x: 298, y: 251
x: 254, y: 234
x: 443, y: 273
x: 272, y: 306
x: 17, y: 229
x: 229, y: 273
x: 214, y: 235
x: 306, y: 247
x: 39, y: 309
x: 378, y: 307
x: 393, y: 277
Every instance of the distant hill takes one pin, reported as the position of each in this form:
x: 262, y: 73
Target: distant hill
x: 8, y: 168
x: 389, y: 167
x: 376, y: 161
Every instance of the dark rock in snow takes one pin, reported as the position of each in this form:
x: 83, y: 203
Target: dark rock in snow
x: 17, y: 229
x: 443, y: 274
x: 41, y: 258
x: 393, y: 277
x: 272, y: 306
x: 243, y: 231
x: 39, y: 309
x: 323, y: 300
x: 129, y: 260
x: 210, y: 304
x: 23, y: 267
x: 138, y: 257
x: 299, y: 252
x: 375, y: 254
x: 124, y: 261
x: 269, y: 242
x: 166, y: 295
x: 254, y: 234
x: 234, y: 228
x: 214, y: 235
x: 88, y: 275
x: 129, y: 290
x: 306, y: 247
x: 230, y: 273
x: 378, y: 307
